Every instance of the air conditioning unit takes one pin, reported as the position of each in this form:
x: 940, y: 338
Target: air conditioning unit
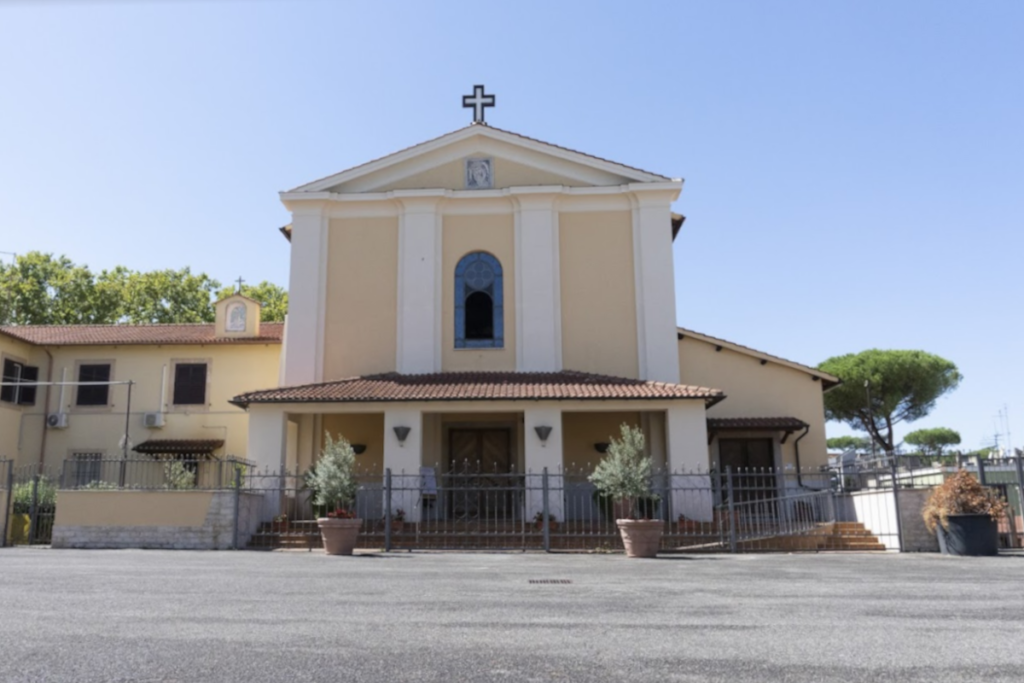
x: 57, y: 420
x: 153, y: 420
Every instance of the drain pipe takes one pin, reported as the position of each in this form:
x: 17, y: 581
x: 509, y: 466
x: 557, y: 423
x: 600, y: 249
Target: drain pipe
x: 46, y: 409
x: 796, y: 453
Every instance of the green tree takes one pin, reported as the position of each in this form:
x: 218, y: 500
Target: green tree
x: 933, y: 441
x: 41, y: 289
x: 904, y: 386
x: 273, y: 298
x: 845, y: 443
x: 169, y: 296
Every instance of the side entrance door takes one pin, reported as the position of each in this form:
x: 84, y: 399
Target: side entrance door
x: 753, y: 468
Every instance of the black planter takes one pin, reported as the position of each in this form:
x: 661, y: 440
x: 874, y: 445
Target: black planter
x: 969, y: 535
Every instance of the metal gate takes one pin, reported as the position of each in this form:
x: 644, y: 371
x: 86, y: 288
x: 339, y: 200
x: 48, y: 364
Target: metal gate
x: 32, y: 494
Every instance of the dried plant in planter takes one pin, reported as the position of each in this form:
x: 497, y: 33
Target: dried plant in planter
x: 961, y: 494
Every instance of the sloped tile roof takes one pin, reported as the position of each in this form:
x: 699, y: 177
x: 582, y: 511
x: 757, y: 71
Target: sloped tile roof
x: 124, y: 335
x: 753, y: 423
x: 480, y: 386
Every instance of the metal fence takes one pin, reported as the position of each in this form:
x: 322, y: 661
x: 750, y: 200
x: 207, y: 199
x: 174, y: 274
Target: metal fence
x: 467, y: 508
x: 152, y: 473
x: 32, y: 494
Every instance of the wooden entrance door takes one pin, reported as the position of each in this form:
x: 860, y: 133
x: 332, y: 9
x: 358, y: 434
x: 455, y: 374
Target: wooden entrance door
x: 753, y: 467
x: 480, y: 481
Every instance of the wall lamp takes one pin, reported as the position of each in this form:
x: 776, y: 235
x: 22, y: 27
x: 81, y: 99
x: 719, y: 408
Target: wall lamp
x: 601, y: 446
x: 543, y: 432
x: 359, y: 448
x: 402, y: 433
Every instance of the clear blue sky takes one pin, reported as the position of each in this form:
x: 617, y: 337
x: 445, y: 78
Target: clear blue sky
x: 854, y: 170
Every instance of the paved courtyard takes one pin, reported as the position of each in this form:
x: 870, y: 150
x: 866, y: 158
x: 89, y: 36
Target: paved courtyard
x: 294, y: 616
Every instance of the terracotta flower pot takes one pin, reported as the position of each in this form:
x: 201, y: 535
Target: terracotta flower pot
x: 339, y: 534
x: 641, y: 537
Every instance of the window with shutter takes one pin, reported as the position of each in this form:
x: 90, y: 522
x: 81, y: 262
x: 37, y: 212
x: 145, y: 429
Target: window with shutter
x: 190, y: 384
x: 93, y: 394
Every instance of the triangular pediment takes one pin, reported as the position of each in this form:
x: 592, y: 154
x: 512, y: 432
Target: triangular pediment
x: 509, y: 160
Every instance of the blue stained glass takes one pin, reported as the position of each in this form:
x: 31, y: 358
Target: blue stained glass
x: 479, y: 272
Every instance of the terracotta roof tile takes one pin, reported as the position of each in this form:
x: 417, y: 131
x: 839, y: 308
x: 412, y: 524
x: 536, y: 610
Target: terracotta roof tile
x: 740, y: 423
x: 123, y: 335
x: 480, y: 386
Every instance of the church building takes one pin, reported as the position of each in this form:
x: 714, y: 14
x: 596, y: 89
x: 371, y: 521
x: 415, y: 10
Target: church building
x: 485, y: 297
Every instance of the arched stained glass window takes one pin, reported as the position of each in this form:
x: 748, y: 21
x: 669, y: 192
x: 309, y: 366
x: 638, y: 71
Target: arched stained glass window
x: 479, y: 302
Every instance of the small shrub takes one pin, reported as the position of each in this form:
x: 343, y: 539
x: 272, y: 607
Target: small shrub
x: 99, y: 485
x: 961, y: 494
x: 624, y: 474
x: 333, y: 480
x: 178, y: 476
x: 46, y: 496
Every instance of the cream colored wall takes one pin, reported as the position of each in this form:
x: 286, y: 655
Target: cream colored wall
x: 12, y: 417
x: 452, y: 176
x: 234, y: 369
x: 464, y: 234
x: 133, y: 508
x: 582, y: 430
x: 598, y: 293
x: 755, y: 390
x: 362, y: 297
x: 366, y: 429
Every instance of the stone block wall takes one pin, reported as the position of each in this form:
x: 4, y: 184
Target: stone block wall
x: 916, y: 537
x: 216, y: 531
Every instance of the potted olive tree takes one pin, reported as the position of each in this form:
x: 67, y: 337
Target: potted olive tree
x: 965, y: 516
x: 624, y: 477
x: 334, y: 486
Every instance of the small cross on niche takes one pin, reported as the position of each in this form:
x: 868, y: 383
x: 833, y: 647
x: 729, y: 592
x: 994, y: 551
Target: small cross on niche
x: 240, y: 282
x: 478, y: 101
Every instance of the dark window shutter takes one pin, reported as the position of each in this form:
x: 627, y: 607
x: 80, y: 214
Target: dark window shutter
x: 27, y: 395
x: 96, y: 395
x: 190, y: 384
x: 8, y: 391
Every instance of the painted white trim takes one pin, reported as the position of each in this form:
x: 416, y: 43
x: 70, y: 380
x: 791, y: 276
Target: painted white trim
x: 307, y: 286
x: 518, y: 256
x: 481, y: 133
x: 654, y: 278
x: 537, y: 273
x: 419, y: 301
x: 556, y: 289
x: 669, y: 189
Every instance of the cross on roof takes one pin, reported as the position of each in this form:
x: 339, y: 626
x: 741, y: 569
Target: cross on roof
x: 478, y: 101
x: 240, y: 282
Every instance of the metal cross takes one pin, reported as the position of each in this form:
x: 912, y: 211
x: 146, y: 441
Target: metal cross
x: 478, y: 101
x: 240, y: 281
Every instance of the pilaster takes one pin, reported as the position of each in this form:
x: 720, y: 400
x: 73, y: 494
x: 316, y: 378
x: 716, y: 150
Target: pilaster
x: 307, y: 290
x: 419, y: 283
x: 538, y: 285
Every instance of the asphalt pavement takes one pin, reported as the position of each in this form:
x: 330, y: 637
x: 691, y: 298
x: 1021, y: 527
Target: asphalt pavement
x: 124, y: 615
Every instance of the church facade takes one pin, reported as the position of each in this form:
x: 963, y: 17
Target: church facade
x: 489, y: 298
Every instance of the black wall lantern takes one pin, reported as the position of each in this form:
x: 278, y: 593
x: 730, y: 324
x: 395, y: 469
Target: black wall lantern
x: 359, y: 448
x: 543, y: 432
x: 601, y: 446
x: 402, y: 433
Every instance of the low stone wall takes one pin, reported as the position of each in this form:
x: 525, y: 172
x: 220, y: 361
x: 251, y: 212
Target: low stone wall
x: 193, y: 520
x: 916, y: 537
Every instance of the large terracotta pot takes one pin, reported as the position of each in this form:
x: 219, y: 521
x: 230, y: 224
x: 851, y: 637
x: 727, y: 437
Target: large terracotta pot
x: 641, y: 537
x: 339, y: 534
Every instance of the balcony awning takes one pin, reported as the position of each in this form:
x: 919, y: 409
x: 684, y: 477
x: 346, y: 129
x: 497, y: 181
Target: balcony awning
x: 178, y: 447
x: 787, y: 425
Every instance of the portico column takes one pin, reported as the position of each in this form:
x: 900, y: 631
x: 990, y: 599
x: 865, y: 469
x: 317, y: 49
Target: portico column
x: 540, y: 454
x: 404, y: 459
x: 686, y: 436
x: 268, y: 438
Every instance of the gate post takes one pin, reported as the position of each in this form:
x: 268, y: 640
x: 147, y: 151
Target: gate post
x: 238, y: 500
x: 545, y: 524
x: 1020, y: 494
x: 896, y: 502
x: 981, y: 471
x: 387, y: 509
x: 9, y: 479
x: 33, y: 511
x: 732, y: 509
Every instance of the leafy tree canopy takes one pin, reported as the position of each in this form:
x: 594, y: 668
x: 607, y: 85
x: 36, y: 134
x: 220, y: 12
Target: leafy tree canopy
x: 933, y: 440
x: 845, y: 443
x: 43, y: 289
x: 904, y: 386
